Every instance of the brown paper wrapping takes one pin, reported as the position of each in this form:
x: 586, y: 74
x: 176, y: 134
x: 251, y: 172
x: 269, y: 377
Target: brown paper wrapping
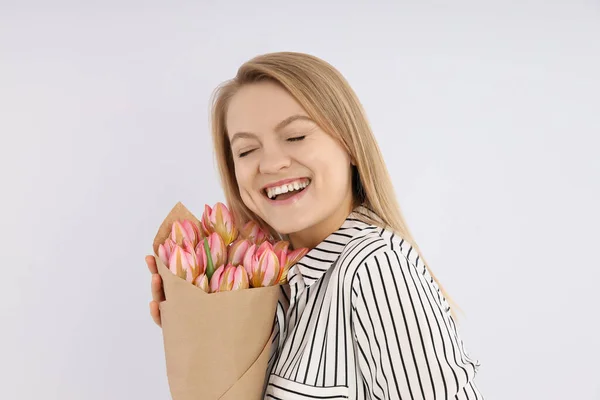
x: 217, y: 345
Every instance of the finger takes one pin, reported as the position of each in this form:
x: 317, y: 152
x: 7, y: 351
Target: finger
x: 155, y: 312
x: 158, y: 293
x: 151, y: 262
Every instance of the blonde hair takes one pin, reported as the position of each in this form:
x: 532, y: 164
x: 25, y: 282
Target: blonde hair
x: 329, y: 100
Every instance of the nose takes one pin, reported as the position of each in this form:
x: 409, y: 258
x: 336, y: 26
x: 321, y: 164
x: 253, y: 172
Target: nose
x: 273, y: 159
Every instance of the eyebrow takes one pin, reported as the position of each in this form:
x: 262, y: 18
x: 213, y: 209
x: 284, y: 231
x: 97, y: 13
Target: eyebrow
x: 282, y: 124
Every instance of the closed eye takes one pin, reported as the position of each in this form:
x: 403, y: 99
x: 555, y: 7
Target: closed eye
x: 296, y: 139
x: 245, y: 153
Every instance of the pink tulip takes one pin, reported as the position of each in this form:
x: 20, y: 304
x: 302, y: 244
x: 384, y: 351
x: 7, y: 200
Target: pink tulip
x: 287, y: 258
x: 237, y: 251
x: 215, y: 280
x: 201, y: 281
x: 253, y: 255
x: 233, y: 278
x: 183, y: 264
x: 254, y: 233
x: 185, y: 229
x: 218, y: 249
x: 219, y: 220
x: 165, y: 250
x: 262, y: 265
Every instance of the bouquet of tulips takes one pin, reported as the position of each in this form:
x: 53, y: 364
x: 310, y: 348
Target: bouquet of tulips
x: 221, y: 288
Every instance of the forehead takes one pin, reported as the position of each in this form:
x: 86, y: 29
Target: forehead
x: 258, y: 107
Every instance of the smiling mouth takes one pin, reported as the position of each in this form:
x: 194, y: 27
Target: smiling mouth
x: 286, y: 191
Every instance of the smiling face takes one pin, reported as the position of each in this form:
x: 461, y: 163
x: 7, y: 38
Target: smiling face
x: 290, y: 173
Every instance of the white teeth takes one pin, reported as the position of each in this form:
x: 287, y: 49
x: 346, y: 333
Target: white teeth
x: 290, y: 187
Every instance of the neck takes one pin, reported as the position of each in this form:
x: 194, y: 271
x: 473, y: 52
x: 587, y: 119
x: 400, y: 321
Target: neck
x: 311, y: 237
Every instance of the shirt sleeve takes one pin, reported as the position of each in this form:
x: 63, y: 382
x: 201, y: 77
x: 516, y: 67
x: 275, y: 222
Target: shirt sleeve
x: 406, y: 342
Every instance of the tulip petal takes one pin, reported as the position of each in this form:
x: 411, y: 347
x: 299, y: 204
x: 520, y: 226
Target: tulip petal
x: 179, y: 262
x: 207, y: 227
x: 241, y: 279
x: 192, y: 231
x: 218, y: 249
x: 177, y: 233
x: 201, y: 257
x: 163, y: 254
x: 224, y: 224
x: 215, y: 280
x: 201, y: 281
x: 270, y: 269
x: 250, y: 259
x: 237, y: 252
x: 264, y: 247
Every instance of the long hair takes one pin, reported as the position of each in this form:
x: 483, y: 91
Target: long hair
x: 329, y: 100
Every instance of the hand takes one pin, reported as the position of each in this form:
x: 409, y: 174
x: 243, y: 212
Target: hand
x: 158, y: 294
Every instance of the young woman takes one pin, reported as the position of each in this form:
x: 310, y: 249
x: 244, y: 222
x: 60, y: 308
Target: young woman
x: 362, y: 316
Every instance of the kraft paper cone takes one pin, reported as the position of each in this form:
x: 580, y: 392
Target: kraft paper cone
x: 217, y: 345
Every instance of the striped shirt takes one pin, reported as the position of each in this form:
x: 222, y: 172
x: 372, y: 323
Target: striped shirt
x: 362, y: 318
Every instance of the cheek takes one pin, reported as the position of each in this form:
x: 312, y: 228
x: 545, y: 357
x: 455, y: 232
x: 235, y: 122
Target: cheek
x: 331, y: 166
x: 243, y: 174
x: 244, y: 182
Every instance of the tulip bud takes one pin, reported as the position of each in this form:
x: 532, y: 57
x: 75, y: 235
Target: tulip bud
x: 201, y: 281
x: 287, y: 258
x: 191, y: 226
x: 237, y: 252
x: 254, y: 233
x: 234, y: 278
x: 219, y: 220
x: 165, y: 250
x: 182, y: 263
x: 296, y: 255
x: 215, y: 280
x: 241, y: 280
x: 263, y: 266
x: 185, y: 229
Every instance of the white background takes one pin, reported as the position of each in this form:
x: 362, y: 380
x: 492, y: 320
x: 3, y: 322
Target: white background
x: 487, y: 114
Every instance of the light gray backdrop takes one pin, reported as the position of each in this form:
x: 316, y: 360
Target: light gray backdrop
x: 487, y: 114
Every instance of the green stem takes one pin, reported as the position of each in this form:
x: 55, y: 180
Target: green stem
x: 210, y: 267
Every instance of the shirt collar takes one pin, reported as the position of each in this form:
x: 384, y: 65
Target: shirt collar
x: 318, y: 260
